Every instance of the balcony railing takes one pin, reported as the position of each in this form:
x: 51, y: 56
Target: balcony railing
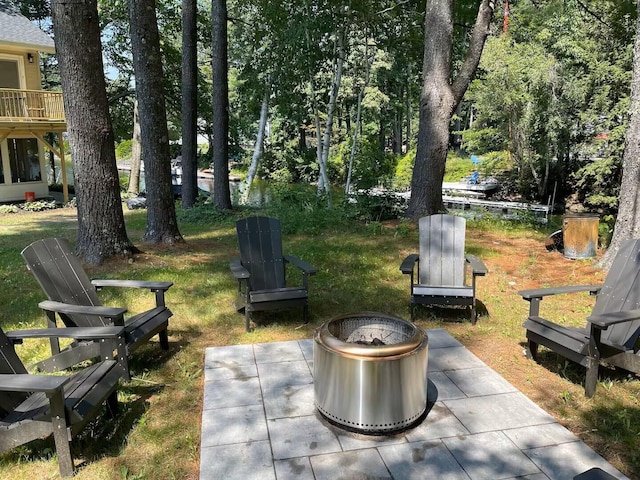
x: 31, y: 106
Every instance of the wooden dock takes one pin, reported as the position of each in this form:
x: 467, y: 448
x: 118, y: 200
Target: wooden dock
x: 506, y: 208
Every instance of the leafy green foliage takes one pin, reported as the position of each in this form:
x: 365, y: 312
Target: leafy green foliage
x: 404, y: 170
x: 124, y: 149
x: 38, y: 206
x: 9, y: 208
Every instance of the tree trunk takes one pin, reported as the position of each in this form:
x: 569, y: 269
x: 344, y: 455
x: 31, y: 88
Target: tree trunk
x: 257, y: 149
x: 408, y: 111
x: 439, y: 99
x: 136, y: 154
x: 318, y: 128
x: 628, y: 220
x: 302, y: 140
x: 162, y: 225
x: 220, y: 124
x: 356, y: 130
x: 101, y: 227
x: 189, y: 104
x: 354, y: 142
x: 328, y: 127
x: 397, y: 130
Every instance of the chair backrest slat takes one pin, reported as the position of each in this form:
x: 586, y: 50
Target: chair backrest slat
x: 620, y: 292
x: 62, y: 277
x: 442, y: 240
x: 10, y: 363
x: 260, y: 245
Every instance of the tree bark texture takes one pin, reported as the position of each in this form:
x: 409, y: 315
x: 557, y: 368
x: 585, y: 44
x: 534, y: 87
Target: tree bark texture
x: 136, y: 153
x: 259, y: 146
x: 628, y: 220
x: 328, y: 128
x: 220, y: 104
x: 439, y: 99
x: 162, y: 225
x: 101, y: 227
x: 189, y: 104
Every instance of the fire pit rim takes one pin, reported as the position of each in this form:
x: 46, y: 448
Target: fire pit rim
x: 331, y: 342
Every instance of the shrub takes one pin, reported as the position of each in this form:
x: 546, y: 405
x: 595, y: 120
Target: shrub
x: 39, y: 206
x: 404, y: 170
x: 8, y: 209
x: 123, y: 150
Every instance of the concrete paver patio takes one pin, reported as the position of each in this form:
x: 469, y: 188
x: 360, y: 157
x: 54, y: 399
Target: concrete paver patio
x: 259, y: 422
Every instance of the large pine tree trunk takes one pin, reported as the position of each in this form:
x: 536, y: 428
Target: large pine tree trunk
x: 440, y: 98
x: 189, y: 104
x: 628, y: 220
x: 162, y: 225
x: 220, y: 123
x: 101, y: 227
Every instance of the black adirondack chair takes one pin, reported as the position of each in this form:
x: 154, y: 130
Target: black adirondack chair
x: 443, y: 269
x: 612, y: 330
x: 261, y: 270
x: 73, y: 298
x: 36, y: 406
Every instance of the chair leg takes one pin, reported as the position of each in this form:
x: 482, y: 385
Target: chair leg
x: 305, y: 314
x: 164, y: 339
x: 412, y: 311
x: 60, y: 435
x: 247, y: 319
x: 126, y: 374
x: 474, y: 315
x: 112, y: 404
x: 591, y: 379
x: 532, y: 350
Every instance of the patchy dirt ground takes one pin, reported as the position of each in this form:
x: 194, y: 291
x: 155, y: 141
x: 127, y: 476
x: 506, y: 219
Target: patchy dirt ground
x: 522, y: 262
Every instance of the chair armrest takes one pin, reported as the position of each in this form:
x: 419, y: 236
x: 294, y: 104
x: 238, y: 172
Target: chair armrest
x: 408, y: 263
x: 544, y: 292
x: 24, y: 382
x: 477, y: 266
x: 86, y: 333
x: 153, y: 286
x: 237, y: 270
x: 300, y: 264
x: 605, y: 320
x: 58, y: 307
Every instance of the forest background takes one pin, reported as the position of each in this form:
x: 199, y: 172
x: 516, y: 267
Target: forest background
x: 546, y: 112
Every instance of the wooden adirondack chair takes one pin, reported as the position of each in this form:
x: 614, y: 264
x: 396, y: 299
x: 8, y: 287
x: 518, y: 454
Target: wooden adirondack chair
x: 73, y: 297
x: 442, y: 266
x: 612, y: 330
x: 261, y: 270
x: 36, y: 406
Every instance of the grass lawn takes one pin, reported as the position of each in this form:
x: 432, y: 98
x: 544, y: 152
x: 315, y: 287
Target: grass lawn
x: 157, y: 433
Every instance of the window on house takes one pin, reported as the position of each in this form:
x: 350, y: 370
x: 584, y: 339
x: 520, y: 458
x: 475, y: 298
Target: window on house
x: 9, y: 74
x: 24, y: 160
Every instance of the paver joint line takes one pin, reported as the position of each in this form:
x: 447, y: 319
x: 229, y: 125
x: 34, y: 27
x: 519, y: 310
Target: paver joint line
x: 259, y: 422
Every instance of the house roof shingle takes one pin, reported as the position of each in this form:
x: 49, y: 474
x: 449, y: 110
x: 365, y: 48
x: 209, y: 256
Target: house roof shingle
x: 16, y: 30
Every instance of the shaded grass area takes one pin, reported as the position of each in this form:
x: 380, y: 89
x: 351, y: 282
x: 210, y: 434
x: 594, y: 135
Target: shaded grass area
x: 157, y: 432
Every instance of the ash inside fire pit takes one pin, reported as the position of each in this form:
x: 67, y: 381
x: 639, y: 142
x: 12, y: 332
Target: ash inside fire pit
x: 375, y: 341
x: 371, y: 330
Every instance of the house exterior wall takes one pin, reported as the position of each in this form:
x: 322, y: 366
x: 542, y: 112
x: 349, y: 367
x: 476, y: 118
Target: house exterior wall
x: 30, y: 80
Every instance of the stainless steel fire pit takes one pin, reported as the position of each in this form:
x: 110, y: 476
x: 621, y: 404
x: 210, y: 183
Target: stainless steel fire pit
x: 370, y: 373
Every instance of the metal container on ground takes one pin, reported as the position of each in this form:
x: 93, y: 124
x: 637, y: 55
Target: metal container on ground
x: 370, y: 373
x: 580, y: 235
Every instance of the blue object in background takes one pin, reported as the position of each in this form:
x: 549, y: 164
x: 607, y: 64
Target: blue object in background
x: 475, y: 159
